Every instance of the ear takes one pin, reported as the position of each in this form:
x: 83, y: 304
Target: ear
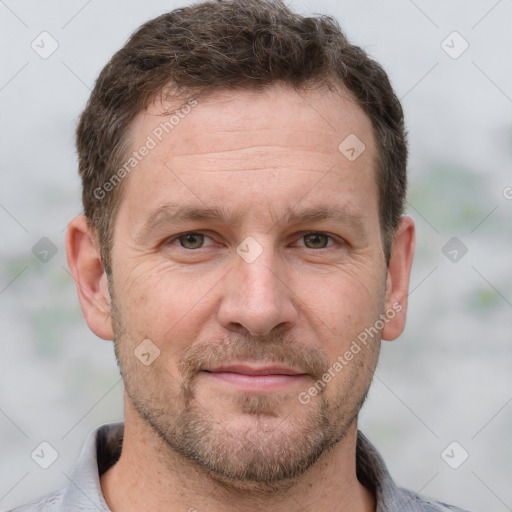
x: 399, y: 271
x: 91, y: 281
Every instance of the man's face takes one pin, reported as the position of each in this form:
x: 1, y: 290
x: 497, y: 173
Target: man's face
x: 255, y: 288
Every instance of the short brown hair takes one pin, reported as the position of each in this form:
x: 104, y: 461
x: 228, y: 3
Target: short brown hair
x: 222, y: 44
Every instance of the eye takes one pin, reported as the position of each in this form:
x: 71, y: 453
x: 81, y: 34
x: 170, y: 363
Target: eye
x: 195, y: 240
x: 316, y: 240
x: 191, y: 240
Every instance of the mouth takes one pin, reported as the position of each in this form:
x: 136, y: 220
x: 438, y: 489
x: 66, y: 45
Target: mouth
x: 257, y: 378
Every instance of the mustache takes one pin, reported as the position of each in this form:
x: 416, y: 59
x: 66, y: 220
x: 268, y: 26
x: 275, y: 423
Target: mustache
x: 279, y: 348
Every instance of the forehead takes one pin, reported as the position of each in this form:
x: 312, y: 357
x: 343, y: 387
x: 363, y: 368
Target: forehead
x: 315, y: 117
x: 249, y: 147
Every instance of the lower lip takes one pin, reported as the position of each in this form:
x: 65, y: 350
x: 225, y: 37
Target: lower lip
x: 258, y: 382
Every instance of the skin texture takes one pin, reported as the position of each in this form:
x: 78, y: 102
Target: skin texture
x: 192, y: 440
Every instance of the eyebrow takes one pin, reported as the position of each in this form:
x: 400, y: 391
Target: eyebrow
x: 177, y: 213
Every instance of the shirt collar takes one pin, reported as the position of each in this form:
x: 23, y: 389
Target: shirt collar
x: 83, y: 489
x: 102, y: 449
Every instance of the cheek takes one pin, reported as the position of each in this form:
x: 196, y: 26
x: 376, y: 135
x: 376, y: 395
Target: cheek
x: 343, y: 319
x: 165, y: 304
x: 342, y: 303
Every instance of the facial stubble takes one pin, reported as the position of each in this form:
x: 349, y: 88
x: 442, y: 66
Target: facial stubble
x: 275, y: 446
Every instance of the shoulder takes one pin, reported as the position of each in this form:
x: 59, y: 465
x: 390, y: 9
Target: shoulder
x: 49, y: 503
x: 424, y: 504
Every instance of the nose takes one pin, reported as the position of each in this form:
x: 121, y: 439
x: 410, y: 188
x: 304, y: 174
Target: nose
x: 257, y: 297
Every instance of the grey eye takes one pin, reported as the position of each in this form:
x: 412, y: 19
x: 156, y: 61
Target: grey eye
x: 191, y: 240
x: 317, y: 240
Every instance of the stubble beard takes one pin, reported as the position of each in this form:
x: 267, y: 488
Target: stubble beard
x: 269, y: 455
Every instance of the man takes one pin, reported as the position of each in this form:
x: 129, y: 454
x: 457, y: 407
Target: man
x: 244, y: 245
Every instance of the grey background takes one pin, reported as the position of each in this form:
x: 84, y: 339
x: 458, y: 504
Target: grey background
x: 448, y: 378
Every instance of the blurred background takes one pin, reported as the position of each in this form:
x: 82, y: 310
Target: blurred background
x: 440, y: 409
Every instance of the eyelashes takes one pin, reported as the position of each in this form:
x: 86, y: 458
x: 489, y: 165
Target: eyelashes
x: 196, y: 240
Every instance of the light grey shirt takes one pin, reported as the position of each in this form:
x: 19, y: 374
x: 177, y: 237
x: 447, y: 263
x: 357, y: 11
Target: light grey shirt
x: 102, y: 449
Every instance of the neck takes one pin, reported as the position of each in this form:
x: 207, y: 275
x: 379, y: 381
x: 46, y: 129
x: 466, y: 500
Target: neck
x: 151, y: 476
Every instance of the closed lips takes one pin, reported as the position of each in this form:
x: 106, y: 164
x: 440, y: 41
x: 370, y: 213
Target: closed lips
x: 248, y: 370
